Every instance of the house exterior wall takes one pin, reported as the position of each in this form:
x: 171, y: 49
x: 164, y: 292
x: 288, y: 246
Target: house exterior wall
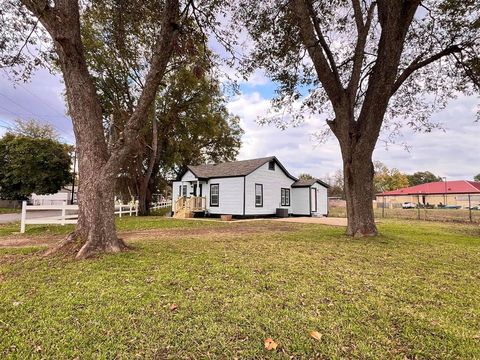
x: 230, y: 196
x: 301, y: 201
x: 322, y: 199
x: 273, y: 181
x: 188, y: 176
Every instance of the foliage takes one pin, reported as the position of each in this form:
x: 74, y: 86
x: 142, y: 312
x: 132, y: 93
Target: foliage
x: 374, y: 299
x: 363, y: 66
x: 305, y: 176
x: 189, y: 122
x: 476, y: 177
x: 337, y: 186
x: 440, y: 54
x: 422, y: 177
x: 34, y: 129
x: 32, y: 165
x: 386, y: 179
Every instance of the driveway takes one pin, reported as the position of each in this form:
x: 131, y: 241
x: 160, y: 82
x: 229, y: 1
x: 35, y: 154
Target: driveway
x: 332, y: 221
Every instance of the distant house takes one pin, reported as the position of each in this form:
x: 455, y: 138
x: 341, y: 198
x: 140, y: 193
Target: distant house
x: 64, y: 195
x: 257, y: 187
x: 458, y: 193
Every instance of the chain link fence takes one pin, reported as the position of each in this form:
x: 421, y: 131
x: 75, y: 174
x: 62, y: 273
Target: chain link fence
x: 464, y: 215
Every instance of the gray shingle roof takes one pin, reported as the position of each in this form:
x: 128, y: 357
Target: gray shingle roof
x: 308, y: 182
x: 228, y: 169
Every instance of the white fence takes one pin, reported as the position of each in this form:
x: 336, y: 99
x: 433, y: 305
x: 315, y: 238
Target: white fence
x: 66, y: 214
x: 161, y: 205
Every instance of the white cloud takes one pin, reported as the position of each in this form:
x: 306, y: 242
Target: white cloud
x: 453, y: 153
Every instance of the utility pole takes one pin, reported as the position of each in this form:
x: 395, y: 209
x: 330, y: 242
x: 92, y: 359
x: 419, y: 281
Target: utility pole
x: 73, y: 178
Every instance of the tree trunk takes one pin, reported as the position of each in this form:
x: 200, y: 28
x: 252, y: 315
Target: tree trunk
x: 96, y: 221
x: 358, y: 181
x: 144, y: 203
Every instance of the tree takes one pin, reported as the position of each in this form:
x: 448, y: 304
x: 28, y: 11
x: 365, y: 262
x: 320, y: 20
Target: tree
x: 422, y: 177
x: 32, y: 165
x: 188, y: 121
x: 194, y: 127
x: 34, y: 129
x: 305, y: 176
x: 476, y: 177
x: 336, y: 185
x: 394, y: 57
x: 386, y: 179
x: 98, y: 163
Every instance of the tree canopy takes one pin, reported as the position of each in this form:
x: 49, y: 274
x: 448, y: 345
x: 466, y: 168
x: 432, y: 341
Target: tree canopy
x: 422, y: 177
x: 32, y: 165
x: 476, y: 177
x: 364, y: 66
x: 34, y: 129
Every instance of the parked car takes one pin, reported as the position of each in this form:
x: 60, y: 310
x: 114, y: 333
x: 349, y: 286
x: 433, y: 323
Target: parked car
x: 409, y: 205
x: 477, y: 207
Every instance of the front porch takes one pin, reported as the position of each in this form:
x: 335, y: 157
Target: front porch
x: 185, y: 207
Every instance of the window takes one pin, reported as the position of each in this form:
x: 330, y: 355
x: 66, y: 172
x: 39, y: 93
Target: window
x: 184, y: 190
x: 214, y: 194
x: 258, y: 195
x: 271, y: 165
x: 285, y: 197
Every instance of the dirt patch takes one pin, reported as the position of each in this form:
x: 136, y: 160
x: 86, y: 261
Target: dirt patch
x: 233, y: 229
x: 227, y: 230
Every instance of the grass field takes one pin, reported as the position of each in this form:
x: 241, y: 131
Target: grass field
x: 198, y: 289
x: 450, y: 215
x: 9, y: 210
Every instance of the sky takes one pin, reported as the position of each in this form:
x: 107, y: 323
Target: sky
x: 452, y: 152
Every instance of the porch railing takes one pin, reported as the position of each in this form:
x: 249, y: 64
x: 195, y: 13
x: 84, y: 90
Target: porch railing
x: 192, y: 203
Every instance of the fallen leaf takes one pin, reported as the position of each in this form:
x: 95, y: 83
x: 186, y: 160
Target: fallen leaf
x: 316, y: 335
x: 16, y: 303
x: 38, y: 348
x: 173, y: 307
x: 270, y: 344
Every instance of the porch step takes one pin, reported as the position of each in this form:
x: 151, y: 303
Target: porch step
x: 183, y: 214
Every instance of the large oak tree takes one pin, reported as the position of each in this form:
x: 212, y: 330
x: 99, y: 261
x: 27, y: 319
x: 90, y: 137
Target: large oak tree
x: 99, y: 164
x: 367, y: 65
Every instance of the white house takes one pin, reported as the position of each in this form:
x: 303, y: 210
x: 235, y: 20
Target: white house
x: 257, y: 187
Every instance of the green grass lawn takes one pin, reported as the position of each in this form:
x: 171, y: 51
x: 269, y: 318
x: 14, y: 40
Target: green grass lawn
x: 411, y: 293
x: 9, y: 210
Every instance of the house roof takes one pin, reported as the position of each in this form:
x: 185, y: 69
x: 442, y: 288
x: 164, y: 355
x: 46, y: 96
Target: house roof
x: 438, y: 188
x: 233, y: 168
x: 309, y: 182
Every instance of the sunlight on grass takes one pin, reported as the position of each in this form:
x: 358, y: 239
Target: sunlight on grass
x: 411, y: 293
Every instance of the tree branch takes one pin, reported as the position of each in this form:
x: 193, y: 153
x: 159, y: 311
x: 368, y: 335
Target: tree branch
x: 158, y: 64
x: 357, y: 13
x: 321, y: 39
x: 359, y: 53
x: 417, y: 64
x: 326, y: 75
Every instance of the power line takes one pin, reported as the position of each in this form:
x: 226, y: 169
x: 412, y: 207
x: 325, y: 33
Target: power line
x: 35, y: 115
x: 45, y: 102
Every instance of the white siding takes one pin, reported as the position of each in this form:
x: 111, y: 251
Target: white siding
x: 188, y: 176
x: 230, y: 196
x: 301, y: 201
x: 322, y: 199
x: 272, y: 181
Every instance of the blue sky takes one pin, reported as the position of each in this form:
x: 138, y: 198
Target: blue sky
x: 452, y: 153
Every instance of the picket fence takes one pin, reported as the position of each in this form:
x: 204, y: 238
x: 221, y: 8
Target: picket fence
x: 161, y: 205
x: 68, y: 214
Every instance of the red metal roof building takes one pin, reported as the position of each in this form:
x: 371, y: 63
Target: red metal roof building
x: 438, y: 188
x: 461, y: 193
